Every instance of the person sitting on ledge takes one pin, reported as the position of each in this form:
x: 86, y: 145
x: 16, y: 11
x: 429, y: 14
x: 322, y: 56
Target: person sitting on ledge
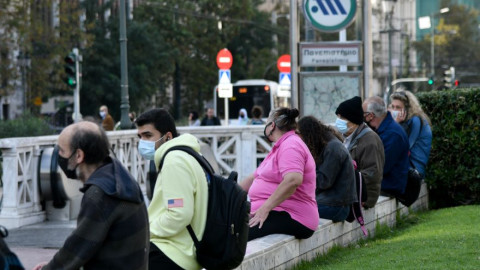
x: 335, y: 190
x: 282, y: 188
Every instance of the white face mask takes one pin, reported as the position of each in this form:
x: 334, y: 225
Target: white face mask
x: 103, y: 114
x: 395, y: 114
x: 341, y: 125
x: 147, y: 148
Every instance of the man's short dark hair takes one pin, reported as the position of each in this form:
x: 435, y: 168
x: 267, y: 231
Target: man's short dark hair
x: 161, y: 120
x: 93, y: 143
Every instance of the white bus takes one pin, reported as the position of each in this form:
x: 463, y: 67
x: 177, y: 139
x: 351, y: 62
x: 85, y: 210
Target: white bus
x: 246, y: 94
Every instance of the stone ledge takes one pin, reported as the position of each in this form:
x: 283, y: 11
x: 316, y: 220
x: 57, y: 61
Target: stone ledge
x: 279, y: 251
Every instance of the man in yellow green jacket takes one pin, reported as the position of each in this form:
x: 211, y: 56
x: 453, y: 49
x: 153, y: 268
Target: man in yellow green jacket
x: 180, y: 196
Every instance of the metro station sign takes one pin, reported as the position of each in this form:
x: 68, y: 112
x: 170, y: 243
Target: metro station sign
x: 330, y: 15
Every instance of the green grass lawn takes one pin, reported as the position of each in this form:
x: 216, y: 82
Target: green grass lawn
x: 438, y: 239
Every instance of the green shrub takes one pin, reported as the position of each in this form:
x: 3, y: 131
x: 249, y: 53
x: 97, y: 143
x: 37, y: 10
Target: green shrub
x: 25, y: 126
x: 453, y: 170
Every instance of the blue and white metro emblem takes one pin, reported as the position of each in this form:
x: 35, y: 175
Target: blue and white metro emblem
x: 330, y: 15
x: 332, y: 9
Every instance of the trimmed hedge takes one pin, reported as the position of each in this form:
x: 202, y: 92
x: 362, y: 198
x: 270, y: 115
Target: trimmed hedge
x: 453, y: 170
x: 24, y: 126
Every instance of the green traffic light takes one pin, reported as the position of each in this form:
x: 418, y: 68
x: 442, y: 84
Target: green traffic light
x: 71, y: 82
x: 430, y: 82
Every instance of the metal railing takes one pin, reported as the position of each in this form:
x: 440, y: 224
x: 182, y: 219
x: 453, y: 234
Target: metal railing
x: 238, y: 148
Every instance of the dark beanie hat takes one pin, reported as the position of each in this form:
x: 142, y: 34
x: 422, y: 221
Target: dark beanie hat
x: 351, y: 109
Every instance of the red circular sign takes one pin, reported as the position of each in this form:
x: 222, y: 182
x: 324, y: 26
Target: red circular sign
x: 283, y: 63
x: 224, y: 59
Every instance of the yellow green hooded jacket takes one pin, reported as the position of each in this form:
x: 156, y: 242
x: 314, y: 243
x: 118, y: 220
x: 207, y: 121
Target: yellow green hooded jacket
x: 180, y: 198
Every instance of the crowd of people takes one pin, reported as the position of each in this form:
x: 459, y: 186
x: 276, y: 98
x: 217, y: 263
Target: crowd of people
x: 310, y: 173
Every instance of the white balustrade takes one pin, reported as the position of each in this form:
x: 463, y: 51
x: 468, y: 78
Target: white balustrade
x: 235, y: 148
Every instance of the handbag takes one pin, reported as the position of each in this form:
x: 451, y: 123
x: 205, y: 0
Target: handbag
x: 412, y: 190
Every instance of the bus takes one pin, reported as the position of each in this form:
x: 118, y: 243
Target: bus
x: 246, y: 94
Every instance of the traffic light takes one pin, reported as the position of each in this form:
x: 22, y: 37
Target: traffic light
x: 449, y: 77
x: 431, y: 80
x: 457, y: 83
x: 71, y: 70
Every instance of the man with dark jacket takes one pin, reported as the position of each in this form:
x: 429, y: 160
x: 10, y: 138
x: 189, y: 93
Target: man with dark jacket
x: 210, y: 119
x: 365, y: 148
x: 395, y: 144
x: 112, y: 227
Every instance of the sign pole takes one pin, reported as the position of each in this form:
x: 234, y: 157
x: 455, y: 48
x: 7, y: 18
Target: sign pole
x: 293, y: 53
x: 226, y: 111
x: 225, y: 89
x: 76, y: 92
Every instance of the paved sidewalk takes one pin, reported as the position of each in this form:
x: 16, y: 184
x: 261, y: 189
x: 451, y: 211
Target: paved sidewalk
x: 39, y: 242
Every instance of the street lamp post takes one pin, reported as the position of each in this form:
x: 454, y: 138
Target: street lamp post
x: 428, y: 22
x: 124, y: 106
x: 390, y: 31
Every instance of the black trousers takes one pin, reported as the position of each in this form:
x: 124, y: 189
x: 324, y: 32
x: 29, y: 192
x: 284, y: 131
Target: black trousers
x: 280, y: 222
x: 158, y: 260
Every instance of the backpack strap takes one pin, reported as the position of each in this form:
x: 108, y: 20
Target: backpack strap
x: 359, y: 218
x: 207, y: 168
x: 200, y: 159
x: 358, y: 136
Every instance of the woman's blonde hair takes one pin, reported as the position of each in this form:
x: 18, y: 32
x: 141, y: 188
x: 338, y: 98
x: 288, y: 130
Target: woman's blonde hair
x: 412, y: 106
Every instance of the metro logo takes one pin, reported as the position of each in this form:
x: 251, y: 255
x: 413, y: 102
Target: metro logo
x: 330, y: 15
x: 330, y: 6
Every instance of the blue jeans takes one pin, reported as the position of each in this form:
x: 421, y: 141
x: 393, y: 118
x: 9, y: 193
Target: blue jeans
x: 334, y: 213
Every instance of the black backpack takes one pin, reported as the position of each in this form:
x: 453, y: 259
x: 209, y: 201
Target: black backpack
x: 8, y: 259
x: 224, y: 241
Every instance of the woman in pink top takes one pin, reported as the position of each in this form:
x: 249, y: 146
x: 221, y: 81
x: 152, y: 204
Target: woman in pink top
x: 282, y: 189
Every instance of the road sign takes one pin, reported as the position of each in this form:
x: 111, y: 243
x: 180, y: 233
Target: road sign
x: 224, y: 59
x: 317, y: 54
x: 225, y: 90
x: 284, y: 63
x: 330, y: 15
x: 285, y: 79
x: 285, y: 85
x: 284, y: 91
x: 223, y: 76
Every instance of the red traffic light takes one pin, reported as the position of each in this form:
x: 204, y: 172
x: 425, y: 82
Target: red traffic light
x: 457, y: 82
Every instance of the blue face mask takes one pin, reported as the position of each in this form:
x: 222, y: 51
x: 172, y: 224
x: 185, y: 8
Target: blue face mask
x: 147, y: 148
x: 341, y: 125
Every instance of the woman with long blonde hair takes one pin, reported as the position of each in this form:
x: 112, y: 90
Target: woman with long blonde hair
x: 406, y: 111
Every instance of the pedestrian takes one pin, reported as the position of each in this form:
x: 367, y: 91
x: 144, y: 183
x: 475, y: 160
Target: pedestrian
x: 193, y: 120
x: 210, y: 119
x: 395, y: 146
x: 180, y: 195
x: 335, y: 179
x: 416, y: 123
x: 364, y: 145
x: 282, y: 188
x: 112, y: 227
x: 242, y: 117
x: 108, y: 123
x: 257, y: 113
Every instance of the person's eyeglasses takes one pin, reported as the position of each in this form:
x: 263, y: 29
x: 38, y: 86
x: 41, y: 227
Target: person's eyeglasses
x: 366, y: 113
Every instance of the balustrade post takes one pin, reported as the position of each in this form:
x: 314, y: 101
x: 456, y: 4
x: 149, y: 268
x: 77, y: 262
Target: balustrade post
x: 247, y: 155
x: 10, y: 183
x: 15, y: 213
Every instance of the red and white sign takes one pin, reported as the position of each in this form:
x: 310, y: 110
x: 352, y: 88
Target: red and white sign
x: 224, y: 59
x: 284, y: 63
